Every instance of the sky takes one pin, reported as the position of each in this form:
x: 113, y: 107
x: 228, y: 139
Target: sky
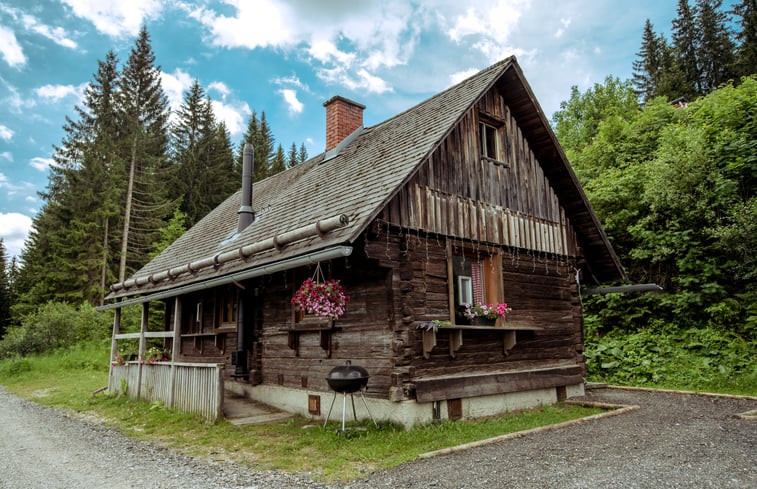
x: 285, y: 58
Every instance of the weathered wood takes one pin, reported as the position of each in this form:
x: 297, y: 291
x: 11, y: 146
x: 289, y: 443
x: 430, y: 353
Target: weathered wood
x: 473, y: 385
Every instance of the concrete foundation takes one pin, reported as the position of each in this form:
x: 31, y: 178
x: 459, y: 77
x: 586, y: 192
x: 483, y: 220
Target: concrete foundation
x: 406, y: 413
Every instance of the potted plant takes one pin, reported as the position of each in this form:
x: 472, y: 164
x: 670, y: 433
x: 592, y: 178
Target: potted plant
x: 321, y: 299
x: 485, y: 314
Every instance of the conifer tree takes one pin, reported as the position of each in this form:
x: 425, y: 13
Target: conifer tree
x: 292, y: 158
x: 648, y: 67
x: 303, y: 153
x: 278, y: 163
x: 201, y: 157
x: 144, y: 111
x: 716, y: 49
x: 746, y: 53
x: 684, y: 35
x: 259, y: 134
x: 5, y: 291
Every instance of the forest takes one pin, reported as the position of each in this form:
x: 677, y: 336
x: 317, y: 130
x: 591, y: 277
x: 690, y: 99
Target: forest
x: 668, y: 160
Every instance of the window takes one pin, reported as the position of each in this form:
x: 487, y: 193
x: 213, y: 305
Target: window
x: 227, y: 304
x: 488, y: 141
x: 473, y: 277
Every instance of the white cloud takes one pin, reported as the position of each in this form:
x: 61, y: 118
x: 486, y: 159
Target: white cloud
x: 174, y: 85
x: 290, y: 97
x: 116, y: 18
x: 55, y: 93
x: 15, y: 102
x: 10, y: 48
x: 232, y: 114
x: 291, y: 81
x: 565, y: 23
x: 456, y: 78
x: 6, y: 132
x: 6, y: 155
x: 57, y: 34
x: 41, y: 164
x: 219, y: 87
x: 14, y: 228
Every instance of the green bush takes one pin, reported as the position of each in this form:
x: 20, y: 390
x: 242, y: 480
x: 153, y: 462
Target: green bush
x: 55, y: 325
x: 693, y: 359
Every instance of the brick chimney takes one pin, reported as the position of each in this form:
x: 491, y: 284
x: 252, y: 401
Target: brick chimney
x: 343, y: 116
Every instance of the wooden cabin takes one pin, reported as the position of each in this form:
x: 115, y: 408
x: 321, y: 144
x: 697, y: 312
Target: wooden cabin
x: 465, y: 197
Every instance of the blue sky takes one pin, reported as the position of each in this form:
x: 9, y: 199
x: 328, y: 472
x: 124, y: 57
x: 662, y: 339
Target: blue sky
x: 286, y: 58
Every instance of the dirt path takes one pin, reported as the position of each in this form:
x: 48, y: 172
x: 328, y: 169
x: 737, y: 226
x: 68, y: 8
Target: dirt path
x: 673, y: 441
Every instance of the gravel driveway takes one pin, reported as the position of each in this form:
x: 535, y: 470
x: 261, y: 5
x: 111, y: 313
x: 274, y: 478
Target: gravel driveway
x: 672, y: 441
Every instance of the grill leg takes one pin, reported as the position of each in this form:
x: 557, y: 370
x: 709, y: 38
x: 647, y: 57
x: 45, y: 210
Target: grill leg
x: 366, y: 408
x: 344, y: 409
x: 354, y: 413
x: 330, y: 408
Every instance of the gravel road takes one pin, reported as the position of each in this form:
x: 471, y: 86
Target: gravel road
x: 672, y: 441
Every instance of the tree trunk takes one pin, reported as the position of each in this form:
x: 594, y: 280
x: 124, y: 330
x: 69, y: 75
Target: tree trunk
x: 127, y: 212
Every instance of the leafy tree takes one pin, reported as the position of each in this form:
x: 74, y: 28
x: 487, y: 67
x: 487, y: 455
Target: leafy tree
x: 746, y: 54
x: 169, y: 233
x: 144, y: 112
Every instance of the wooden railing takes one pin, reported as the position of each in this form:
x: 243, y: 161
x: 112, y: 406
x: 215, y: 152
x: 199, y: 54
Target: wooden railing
x: 189, y: 387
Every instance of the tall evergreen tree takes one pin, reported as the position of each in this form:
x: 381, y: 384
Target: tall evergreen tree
x: 648, y: 67
x: 5, y: 291
x: 259, y: 135
x: 66, y: 256
x: 746, y: 53
x: 144, y: 111
x: 716, y: 49
x: 201, y: 156
x: 685, y: 47
x: 278, y: 163
x: 292, y: 158
x: 303, y: 153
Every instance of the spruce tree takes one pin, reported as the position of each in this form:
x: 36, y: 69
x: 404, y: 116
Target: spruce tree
x: 648, y: 67
x: 278, y: 163
x: 5, y: 291
x: 746, y: 53
x: 716, y: 49
x: 144, y: 112
x: 259, y: 135
x: 685, y: 47
x: 292, y: 159
x: 303, y: 153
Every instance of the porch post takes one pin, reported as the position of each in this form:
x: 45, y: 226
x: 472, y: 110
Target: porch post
x: 114, y: 345
x: 175, y: 346
x: 242, y: 371
x: 142, y: 345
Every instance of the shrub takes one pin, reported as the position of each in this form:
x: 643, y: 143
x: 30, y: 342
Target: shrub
x: 55, y: 325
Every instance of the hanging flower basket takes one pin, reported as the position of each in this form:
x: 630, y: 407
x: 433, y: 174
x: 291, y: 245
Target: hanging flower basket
x: 322, y: 299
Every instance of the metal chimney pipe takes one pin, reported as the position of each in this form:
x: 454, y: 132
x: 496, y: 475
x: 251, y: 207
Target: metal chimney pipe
x: 246, y: 214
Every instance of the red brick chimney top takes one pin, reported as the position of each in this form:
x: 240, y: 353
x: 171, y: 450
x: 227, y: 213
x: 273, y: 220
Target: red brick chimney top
x: 343, y: 116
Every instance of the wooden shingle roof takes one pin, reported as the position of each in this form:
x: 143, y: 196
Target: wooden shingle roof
x: 357, y: 183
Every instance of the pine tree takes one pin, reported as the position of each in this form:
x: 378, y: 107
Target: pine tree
x: 716, y: 50
x: 145, y: 117
x: 685, y: 48
x: 303, y: 154
x: 259, y: 134
x: 5, y: 291
x: 292, y: 159
x: 746, y: 53
x: 278, y: 163
x: 648, y: 67
x: 201, y: 157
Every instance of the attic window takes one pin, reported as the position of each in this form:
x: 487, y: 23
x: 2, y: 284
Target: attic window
x: 488, y: 141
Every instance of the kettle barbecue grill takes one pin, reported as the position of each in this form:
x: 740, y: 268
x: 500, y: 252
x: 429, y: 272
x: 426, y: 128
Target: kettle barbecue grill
x: 348, y: 379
